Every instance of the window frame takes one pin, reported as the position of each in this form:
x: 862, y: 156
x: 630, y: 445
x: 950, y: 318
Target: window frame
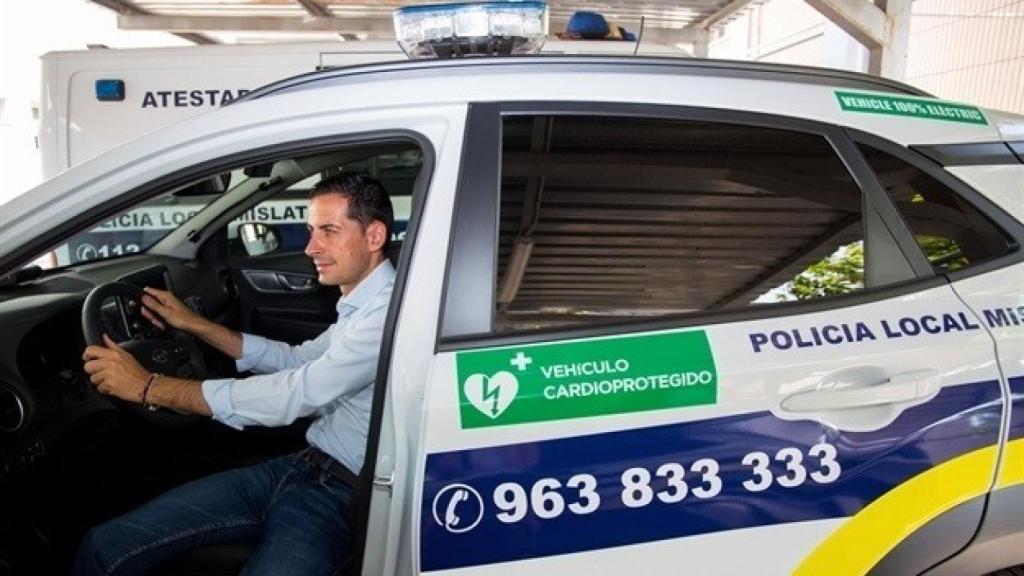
x: 917, y: 158
x: 467, y: 309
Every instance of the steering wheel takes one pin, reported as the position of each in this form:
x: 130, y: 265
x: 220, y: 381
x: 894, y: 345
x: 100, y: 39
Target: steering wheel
x: 115, y: 307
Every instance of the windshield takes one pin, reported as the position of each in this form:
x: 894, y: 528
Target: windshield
x: 139, y: 228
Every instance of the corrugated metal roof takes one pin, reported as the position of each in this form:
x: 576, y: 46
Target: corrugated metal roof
x: 206, y: 21
x: 645, y: 216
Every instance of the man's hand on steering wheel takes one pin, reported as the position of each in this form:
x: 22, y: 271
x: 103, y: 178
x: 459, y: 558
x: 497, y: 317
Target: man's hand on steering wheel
x: 115, y: 372
x: 123, y: 370
x: 161, y: 306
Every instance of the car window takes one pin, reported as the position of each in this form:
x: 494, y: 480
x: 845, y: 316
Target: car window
x: 141, y: 226
x: 286, y: 210
x: 604, y: 218
x: 952, y: 233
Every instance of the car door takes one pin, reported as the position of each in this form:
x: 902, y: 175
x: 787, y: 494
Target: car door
x: 692, y: 340
x: 978, y: 250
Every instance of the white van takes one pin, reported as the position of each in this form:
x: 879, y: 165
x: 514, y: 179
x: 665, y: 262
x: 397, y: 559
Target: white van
x: 651, y: 316
x: 94, y: 100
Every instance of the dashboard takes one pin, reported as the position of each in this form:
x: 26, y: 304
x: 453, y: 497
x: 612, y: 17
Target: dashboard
x: 44, y: 391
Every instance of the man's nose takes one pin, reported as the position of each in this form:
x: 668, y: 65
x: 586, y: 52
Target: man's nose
x: 312, y: 247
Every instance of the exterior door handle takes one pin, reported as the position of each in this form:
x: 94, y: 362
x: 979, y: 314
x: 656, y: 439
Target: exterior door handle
x: 898, y: 388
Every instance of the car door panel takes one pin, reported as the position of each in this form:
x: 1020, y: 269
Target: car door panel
x: 281, y: 299
x: 813, y: 438
x: 865, y: 488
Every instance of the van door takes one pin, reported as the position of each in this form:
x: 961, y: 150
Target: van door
x: 692, y: 340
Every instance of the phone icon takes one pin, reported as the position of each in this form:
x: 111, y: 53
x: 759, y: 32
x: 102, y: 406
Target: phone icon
x: 458, y: 508
x: 451, y: 519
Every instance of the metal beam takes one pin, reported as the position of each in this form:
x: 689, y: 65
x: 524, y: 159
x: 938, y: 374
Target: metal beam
x: 540, y: 142
x: 126, y: 8
x: 721, y: 14
x: 195, y: 37
x: 891, y: 60
x: 119, y: 6
x: 883, y: 27
x: 858, y: 18
x: 255, y: 24
x: 698, y: 34
x: 315, y: 9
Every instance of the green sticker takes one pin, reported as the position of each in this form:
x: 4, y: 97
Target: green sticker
x: 589, y: 378
x: 928, y: 109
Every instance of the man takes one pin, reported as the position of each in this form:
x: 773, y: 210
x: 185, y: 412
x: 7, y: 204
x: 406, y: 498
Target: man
x: 295, y: 507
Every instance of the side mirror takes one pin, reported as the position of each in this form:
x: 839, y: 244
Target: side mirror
x: 259, y: 238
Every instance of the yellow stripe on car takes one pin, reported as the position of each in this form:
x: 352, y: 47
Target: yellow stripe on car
x: 1012, y: 470
x: 870, y: 534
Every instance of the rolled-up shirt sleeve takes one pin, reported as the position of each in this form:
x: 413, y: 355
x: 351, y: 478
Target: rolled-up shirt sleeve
x: 345, y: 364
x: 217, y: 394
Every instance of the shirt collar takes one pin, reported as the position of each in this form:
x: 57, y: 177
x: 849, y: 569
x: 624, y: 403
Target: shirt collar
x: 383, y: 275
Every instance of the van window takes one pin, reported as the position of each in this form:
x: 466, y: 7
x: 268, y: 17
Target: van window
x: 603, y: 218
x: 951, y: 233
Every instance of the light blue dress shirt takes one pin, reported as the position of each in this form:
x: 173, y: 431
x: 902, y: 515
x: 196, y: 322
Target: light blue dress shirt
x: 331, y: 375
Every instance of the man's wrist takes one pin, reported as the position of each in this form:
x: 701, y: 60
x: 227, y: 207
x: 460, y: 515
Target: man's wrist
x: 177, y: 394
x: 196, y: 325
x: 147, y: 388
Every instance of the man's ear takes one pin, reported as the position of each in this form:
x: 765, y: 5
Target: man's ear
x: 376, y: 233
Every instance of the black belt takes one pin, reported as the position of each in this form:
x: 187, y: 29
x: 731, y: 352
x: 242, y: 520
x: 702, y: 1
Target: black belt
x: 319, y: 458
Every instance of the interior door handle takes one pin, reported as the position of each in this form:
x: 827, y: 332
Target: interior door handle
x: 297, y: 282
x: 269, y: 282
x: 898, y: 388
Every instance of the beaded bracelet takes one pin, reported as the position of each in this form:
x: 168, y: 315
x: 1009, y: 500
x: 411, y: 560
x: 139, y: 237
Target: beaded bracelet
x: 145, y: 391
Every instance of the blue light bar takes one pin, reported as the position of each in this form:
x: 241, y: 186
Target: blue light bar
x: 471, y: 29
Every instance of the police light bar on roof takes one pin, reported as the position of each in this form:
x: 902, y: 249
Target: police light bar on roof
x: 472, y: 29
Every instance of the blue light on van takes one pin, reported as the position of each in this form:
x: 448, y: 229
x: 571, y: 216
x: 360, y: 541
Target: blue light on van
x: 109, y: 90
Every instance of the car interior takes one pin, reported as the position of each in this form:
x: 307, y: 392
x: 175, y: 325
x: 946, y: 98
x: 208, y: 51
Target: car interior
x: 230, y: 245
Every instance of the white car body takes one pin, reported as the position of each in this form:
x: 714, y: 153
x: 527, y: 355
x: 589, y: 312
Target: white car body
x: 823, y: 520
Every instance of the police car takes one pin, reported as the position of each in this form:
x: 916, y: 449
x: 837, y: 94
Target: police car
x: 651, y: 316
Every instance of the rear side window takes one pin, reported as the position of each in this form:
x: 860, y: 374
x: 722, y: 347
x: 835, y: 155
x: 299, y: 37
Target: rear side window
x: 603, y: 218
x: 952, y: 233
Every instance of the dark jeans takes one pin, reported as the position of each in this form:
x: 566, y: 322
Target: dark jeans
x: 296, y: 511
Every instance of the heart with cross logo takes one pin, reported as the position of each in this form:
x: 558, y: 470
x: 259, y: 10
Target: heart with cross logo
x: 491, y: 395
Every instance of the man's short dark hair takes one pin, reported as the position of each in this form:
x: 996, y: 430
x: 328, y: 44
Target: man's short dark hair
x: 367, y: 200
